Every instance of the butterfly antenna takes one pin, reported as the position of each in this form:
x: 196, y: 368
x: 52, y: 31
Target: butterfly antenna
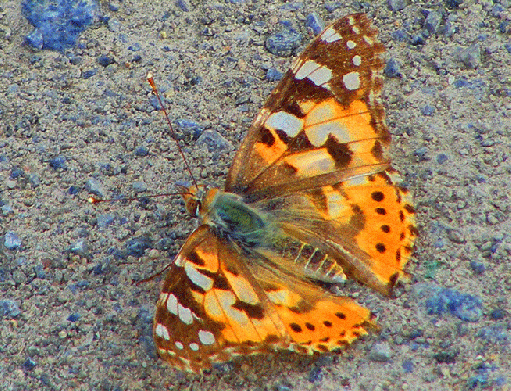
x: 172, y: 132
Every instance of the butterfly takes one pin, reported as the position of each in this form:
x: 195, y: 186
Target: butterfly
x: 310, y: 199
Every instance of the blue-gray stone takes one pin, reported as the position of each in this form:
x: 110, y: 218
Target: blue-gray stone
x: 428, y: 110
x: 139, y: 186
x: 273, y: 74
x: 315, y: 23
x: 438, y: 300
x: 496, y: 333
x: 58, y: 23
x: 79, y: 247
x: 88, y: 74
x: 421, y: 153
x: 188, y: 128
x: 380, y: 352
x: 471, y: 56
x: 315, y: 375
x: 95, y: 187
x: 213, y: 141
x: 477, y: 267
x: 9, y: 309
x: 392, y: 68
x: 283, y: 43
x: 29, y: 364
x: 137, y: 246
x: 453, y: 4
x: 184, y: 5
x: 408, y: 366
x: 433, y: 22
x: 396, y: 5
x: 7, y: 209
x: 331, y: 6
x: 16, y: 173
x: 12, y: 241
x: 105, y: 220
x: 141, y: 151
x: 105, y: 61
x: 73, y: 318
x: 442, y: 158
x: 58, y: 162
x: 498, y: 314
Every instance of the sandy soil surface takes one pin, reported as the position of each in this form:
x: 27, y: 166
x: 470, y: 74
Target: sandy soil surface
x: 73, y: 319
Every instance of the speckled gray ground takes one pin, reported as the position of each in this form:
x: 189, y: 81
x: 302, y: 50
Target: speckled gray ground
x: 450, y: 114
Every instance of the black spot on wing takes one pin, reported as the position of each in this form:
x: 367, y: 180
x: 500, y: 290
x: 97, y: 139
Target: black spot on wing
x: 340, y: 152
x: 219, y: 280
x: 266, y: 137
x: 253, y: 311
x: 194, y: 258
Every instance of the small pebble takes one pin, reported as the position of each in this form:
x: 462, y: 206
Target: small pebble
x: 58, y: 162
x: 139, y: 186
x: 9, y: 309
x: 214, y: 141
x: 79, y: 247
x: 380, y: 352
x: 12, y: 241
x: 283, y: 43
x: 273, y: 74
x: 396, y: 5
x: 392, y: 68
x: 95, y: 187
x: 315, y: 23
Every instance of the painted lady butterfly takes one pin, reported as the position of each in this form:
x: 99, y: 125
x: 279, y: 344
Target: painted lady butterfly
x: 310, y: 197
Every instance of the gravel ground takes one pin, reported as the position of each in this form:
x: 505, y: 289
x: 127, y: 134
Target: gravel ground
x: 84, y: 121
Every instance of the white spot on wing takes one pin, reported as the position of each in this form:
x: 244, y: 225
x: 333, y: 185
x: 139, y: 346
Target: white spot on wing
x: 318, y: 134
x: 163, y: 298
x: 194, y: 347
x: 185, y: 314
x: 165, y: 351
x: 315, y: 72
x: 197, y: 277
x: 306, y: 69
x: 244, y: 290
x: 321, y: 76
x: 356, y: 181
x: 179, y: 345
x: 172, y: 304
x: 336, y: 205
x: 311, y: 163
x: 330, y: 35
x: 351, y: 45
x: 351, y: 81
x: 357, y: 60
x: 162, y: 332
x: 206, y: 337
x: 284, y: 121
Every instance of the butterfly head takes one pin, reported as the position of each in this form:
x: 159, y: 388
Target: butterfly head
x: 197, y: 199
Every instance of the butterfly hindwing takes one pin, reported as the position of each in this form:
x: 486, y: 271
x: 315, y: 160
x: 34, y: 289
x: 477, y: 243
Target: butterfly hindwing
x: 364, y: 226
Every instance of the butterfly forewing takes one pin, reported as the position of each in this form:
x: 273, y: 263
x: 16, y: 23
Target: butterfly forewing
x: 323, y: 123
x: 310, y: 196
x: 212, y: 308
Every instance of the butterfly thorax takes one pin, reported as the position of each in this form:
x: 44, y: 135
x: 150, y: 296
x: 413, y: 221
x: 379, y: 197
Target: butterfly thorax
x: 227, y: 214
